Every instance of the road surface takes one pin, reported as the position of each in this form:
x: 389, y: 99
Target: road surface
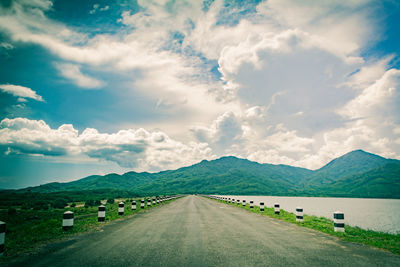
x: 195, y: 231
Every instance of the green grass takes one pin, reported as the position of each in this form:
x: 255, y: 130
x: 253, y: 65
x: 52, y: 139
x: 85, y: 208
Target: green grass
x: 28, y: 229
x: 390, y: 242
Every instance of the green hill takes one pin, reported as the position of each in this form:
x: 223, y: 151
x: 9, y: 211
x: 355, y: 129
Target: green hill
x: 356, y: 174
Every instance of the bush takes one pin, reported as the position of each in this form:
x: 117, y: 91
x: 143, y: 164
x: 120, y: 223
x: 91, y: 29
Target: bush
x: 97, y: 203
x: 25, y: 206
x: 12, y: 211
x: 110, y: 201
x: 73, y: 205
x: 89, y: 203
x: 59, y: 204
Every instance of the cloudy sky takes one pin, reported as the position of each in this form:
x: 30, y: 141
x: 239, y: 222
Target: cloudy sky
x: 100, y: 86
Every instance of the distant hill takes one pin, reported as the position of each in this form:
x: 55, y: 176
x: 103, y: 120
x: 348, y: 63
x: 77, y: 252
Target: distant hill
x: 356, y: 174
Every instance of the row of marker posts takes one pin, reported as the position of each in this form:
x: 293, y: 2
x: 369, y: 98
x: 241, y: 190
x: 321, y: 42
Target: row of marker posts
x: 68, y: 216
x: 338, y: 216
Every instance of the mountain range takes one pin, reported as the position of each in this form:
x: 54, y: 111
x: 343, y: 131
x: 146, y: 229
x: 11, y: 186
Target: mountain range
x: 355, y: 174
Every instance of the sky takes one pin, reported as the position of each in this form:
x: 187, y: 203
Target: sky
x: 94, y: 87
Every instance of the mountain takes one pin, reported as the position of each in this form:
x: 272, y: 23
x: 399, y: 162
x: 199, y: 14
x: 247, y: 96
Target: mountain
x: 355, y: 174
x: 353, y: 163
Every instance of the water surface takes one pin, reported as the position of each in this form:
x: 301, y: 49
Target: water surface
x: 375, y: 214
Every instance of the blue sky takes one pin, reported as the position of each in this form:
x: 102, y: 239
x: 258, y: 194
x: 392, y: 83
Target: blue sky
x: 93, y: 87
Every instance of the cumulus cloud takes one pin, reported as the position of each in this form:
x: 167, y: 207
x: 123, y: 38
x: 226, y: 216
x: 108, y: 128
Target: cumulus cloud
x: 20, y: 91
x: 73, y: 73
x: 139, y: 149
x: 241, y: 135
x: 6, y: 46
x: 225, y: 131
x: 285, y: 83
x: 96, y: 7
x: 377, y: 99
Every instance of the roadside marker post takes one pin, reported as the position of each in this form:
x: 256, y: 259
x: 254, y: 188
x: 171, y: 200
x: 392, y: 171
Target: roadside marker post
x: 101, y: 214
x: 233, y: 201
x: 338, y: 221
x: 158, y: 200
x: 154, y: 201
x: 299, y: 214
x: 238, y: 202
x: 277, y: 208
x: 68, y: 220
x: 133, y: 205
x: 148, y: 202
x: 2, y: 236
x: 121, y: 208
x: 142, y: 203
x: 244, y: 203
x: 251, y: 204
x: 261, y: 206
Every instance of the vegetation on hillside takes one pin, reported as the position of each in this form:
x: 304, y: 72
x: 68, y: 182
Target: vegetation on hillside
x: 356, y: 174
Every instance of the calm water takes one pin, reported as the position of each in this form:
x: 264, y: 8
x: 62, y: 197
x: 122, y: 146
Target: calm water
x: 375, y: 214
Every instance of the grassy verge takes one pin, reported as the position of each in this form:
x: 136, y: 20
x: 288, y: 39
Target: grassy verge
x: 27, y: 230
x: 390, y: 242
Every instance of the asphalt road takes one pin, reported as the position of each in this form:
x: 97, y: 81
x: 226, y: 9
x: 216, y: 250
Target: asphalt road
x: 195, y: 231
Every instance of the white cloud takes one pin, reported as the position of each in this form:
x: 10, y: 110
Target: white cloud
x: 20, y: 91
x: 377, y: 99
x: 73, y: 73
x: 294, y: 87
x: 139, y: 149
x: 96, y: 7
x: 369, y: 73
x: 224, y: 132
x: 6, y: 46
x: 256, y: 113
x: 342, y: 33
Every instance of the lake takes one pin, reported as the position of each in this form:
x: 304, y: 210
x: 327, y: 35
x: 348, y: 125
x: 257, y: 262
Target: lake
x: 375, y: 214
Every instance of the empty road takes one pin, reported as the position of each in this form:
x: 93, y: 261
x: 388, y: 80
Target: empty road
x: 195, y: 231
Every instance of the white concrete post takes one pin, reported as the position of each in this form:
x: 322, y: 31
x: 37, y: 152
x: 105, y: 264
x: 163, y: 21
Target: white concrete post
x: 133, y: 205
x: 148, y: 202
x: 338, y: 221
x: 68, y: 220
x: 277, y: 208
x: 121, y: 208
x: 244, y: 203
x: 299, y: 214
x: 142, y: 203
x: 154, y: 201
x: 251, y: 204
x: 261, y: 206
x: 101, y: 214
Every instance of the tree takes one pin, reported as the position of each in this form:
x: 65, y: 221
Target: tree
x: 59, y: 204
x: 12, y: 211
x: 89, y: 203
